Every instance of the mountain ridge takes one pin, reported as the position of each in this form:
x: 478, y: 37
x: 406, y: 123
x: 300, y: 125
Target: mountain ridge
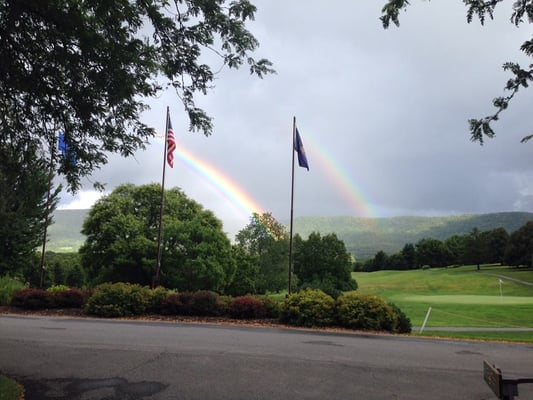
x: 363, y: 236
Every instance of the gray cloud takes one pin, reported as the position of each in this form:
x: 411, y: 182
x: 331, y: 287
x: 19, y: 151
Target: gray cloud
x: 389, y: 109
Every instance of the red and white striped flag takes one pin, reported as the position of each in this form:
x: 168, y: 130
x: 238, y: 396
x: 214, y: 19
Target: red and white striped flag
x: 171, y: 144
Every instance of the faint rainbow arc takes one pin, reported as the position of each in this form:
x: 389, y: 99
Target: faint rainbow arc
x: 352, y: 193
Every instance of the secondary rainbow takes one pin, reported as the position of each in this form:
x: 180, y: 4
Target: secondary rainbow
x: 353, y: 194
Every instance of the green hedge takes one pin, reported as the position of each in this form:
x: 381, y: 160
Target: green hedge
x: 118, y: 300
x: 309, y: 307
x: 370, y: 312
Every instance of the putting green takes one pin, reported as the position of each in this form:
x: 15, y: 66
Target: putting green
x: 468, y: 299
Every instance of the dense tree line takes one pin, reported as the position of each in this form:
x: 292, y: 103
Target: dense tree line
x: 477, y: 247
x: 121, y: 246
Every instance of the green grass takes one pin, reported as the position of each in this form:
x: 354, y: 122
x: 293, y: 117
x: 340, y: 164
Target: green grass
x: 460, y: 297
x: 10, y: 389
x: 525, y: 337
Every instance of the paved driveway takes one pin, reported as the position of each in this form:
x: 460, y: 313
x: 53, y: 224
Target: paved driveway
x: 59, y: 358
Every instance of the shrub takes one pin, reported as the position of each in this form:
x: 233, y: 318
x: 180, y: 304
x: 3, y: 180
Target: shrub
x: 118, y: 300
x: 246, y: 307
x: 157, y: 299
x: 32, y: 299
x: 309, y: 307
x: 326, y: 285
x: 205, y: 303
x: 270, y: 305
x: 70, y: 298
x: 87, y: 294
x: 186, y: 301
x: 8, y: 286
x: 223, y: 303
x: 367, y: 312
x: 403, y: 322
x: 171, y: 305
x: 57, y: 288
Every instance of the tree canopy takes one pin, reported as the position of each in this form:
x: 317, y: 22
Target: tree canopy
x: 266, y: 242
x: 87, y: 68
x: 522, y: 12
x: 520, y: 248
x: 121, y: 245
x: 322, y: 262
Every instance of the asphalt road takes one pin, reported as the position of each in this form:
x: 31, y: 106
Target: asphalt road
x: 90, y: 359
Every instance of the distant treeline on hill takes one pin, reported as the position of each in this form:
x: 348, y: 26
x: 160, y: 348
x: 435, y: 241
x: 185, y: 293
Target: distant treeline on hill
x: 363, y: 237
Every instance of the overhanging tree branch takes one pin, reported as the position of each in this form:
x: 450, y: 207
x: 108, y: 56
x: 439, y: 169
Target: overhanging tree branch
x: 481, y: 128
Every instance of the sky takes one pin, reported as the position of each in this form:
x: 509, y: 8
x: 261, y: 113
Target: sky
x: 383, y: 116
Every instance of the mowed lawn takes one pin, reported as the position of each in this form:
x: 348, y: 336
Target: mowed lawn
x: 458, y: 297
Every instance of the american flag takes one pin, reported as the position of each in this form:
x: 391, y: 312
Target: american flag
x: 171, y: 144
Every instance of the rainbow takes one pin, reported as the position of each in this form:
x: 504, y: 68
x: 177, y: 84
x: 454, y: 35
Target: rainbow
x: 239, y: 199
x: 224, y: 185
x: 353, y: 194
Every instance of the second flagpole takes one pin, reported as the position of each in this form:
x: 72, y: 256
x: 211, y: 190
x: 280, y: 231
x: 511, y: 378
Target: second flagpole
x: 292, y: 204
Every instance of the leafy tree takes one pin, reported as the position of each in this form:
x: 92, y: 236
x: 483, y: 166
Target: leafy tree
x: 409, y: 255
x: 456, y: 245
x: 519, y: 249
x: 474, y: 248
x: 88, y: 68
x: 266, y: 239
x: 323, y: 263
x: 246, y: 273
x: 521, y: 77
x: 495, y: 244
x: 24, y: 179
x: 58, y: 273
x: 121, y: 245
x: 396, y: 261
x: 76, y: 277
x: 66, y: 268
x: 380, y: 261
x: 432, y: 252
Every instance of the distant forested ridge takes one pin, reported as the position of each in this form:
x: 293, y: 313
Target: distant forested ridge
x: 64, y: 234
x: 363, y: 237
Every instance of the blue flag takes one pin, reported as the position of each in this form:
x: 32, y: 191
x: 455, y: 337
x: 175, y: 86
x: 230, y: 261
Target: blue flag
x: 64, y: 148
x: 299, y: 147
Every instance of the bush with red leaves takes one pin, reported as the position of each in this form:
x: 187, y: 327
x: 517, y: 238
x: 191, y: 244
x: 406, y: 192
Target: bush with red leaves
x: 32, y: 299
x: 246, y: 307
x: 71, y: 298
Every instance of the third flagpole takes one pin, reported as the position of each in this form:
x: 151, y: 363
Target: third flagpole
x: 292, y: 203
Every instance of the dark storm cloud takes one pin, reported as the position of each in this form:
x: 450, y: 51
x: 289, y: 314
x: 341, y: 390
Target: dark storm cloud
x: 390, y: 107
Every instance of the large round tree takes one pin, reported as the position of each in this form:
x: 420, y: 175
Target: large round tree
x: 122, y: 231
